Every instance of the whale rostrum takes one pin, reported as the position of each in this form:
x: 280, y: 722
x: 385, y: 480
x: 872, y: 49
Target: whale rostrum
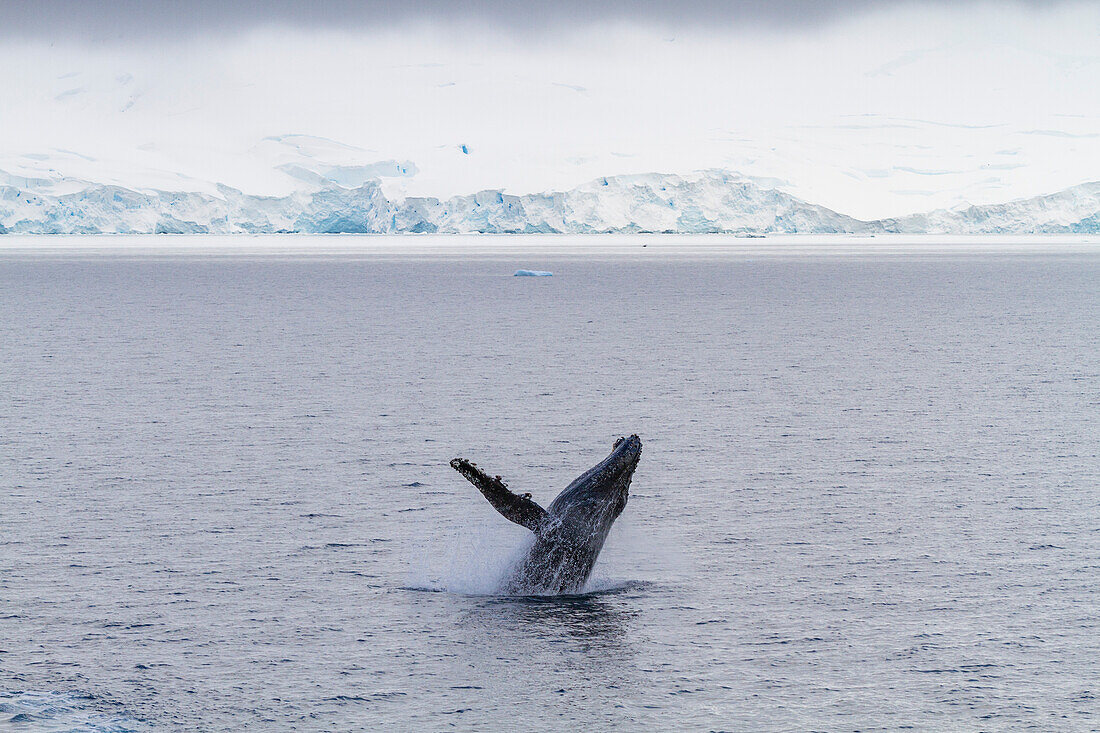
x: 571, y: 532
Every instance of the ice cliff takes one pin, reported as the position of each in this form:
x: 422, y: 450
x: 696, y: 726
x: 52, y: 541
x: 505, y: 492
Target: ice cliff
x: 712, y: 201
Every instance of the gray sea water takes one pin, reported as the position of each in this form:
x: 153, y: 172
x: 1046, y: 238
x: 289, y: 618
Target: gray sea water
x: 869, y: 497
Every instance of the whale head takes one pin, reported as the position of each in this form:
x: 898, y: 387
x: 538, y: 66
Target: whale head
x: 597, y: 497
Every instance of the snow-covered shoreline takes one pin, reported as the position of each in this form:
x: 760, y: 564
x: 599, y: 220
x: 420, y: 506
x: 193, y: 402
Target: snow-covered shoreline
x: 549, y: 245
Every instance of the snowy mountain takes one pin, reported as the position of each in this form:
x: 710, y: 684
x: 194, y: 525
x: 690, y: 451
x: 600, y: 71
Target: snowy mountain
x: 351, y: 199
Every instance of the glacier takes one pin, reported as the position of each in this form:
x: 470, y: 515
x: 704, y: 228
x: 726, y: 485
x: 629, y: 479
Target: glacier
x: 351, y: 200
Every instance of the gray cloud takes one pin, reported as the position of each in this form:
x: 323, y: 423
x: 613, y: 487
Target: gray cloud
x: 125, y: 20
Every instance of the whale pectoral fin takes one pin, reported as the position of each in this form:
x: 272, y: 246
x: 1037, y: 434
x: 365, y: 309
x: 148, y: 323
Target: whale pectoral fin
x: 516, y: 508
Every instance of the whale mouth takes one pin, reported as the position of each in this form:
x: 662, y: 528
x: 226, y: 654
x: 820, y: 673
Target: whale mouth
x: 625, y: 453
x: 619, y: 466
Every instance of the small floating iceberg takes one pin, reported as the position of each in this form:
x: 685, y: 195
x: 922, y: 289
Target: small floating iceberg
x: 533, y: 273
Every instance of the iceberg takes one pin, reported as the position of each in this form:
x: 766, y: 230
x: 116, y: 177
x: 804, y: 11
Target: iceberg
x: 533, y: 273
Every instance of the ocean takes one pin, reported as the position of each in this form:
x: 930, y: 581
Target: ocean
x: 868, y: 498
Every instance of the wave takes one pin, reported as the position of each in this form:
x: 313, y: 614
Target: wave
x: 52, y: 711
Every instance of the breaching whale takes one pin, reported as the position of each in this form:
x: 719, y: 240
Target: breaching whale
x: 570, y: 533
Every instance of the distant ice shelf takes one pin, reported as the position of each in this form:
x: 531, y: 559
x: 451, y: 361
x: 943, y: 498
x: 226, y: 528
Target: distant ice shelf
x: 704, y: 202
x: 533, y: 273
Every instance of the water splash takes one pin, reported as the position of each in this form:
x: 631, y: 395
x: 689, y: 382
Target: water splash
x: 479, y: 560
x: 474, y: 563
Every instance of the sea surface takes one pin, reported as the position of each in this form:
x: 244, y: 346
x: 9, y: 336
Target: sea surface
x: 869, y: 495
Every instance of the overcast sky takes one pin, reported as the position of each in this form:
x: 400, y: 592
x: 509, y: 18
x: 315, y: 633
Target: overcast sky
x: 122, y: 20
x: 871, y: 108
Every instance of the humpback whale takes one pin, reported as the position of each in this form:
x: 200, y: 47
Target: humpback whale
x: 570, y: 533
